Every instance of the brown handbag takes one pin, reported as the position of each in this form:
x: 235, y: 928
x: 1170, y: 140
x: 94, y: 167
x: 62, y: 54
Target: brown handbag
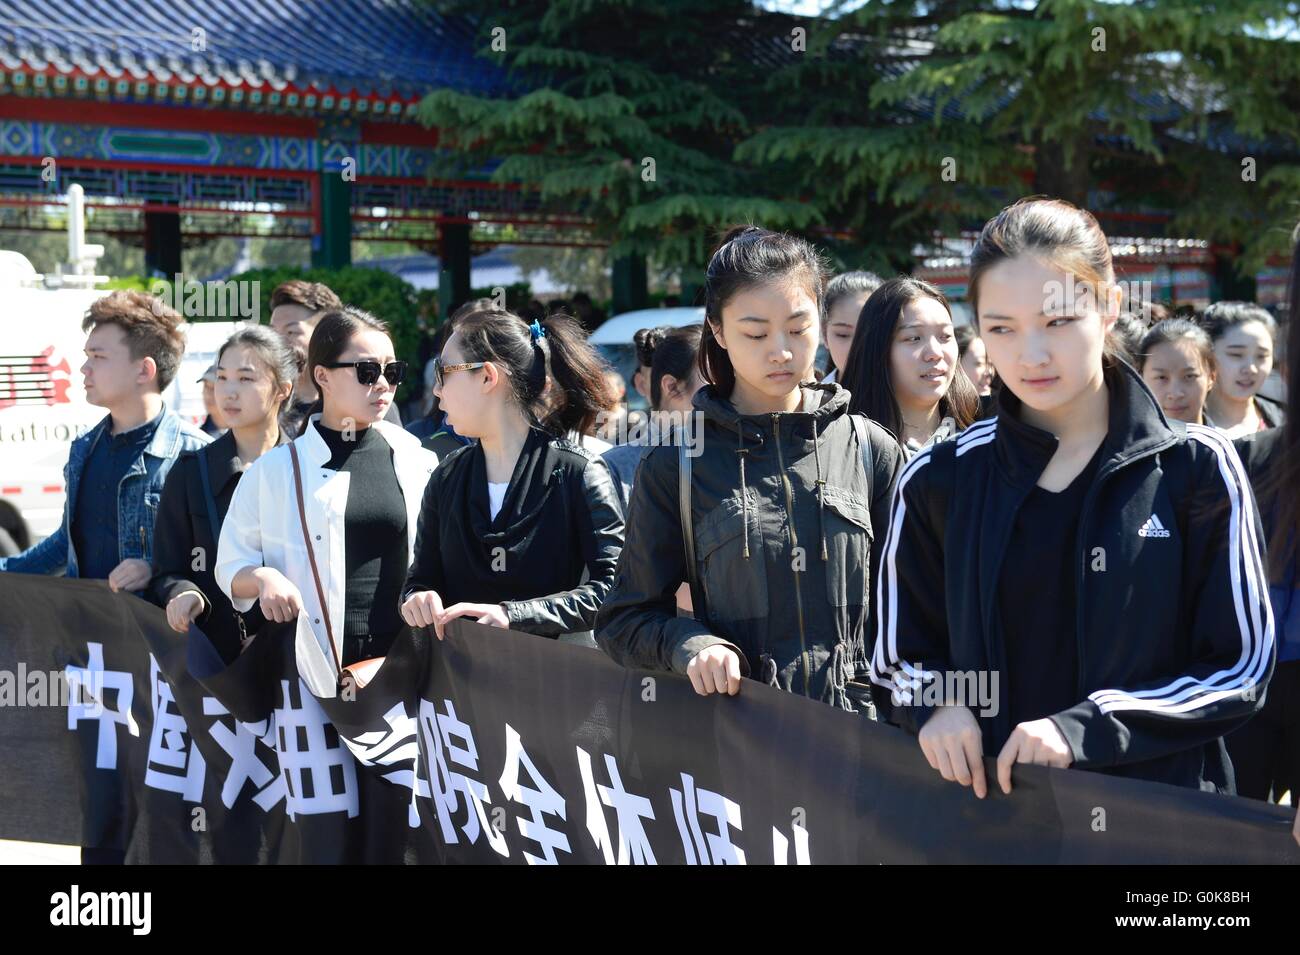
x: 311, y: 556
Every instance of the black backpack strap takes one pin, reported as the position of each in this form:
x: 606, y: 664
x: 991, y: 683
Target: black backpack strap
x: 868, y: 462
x: 213, y: 520
x: 688, y: 526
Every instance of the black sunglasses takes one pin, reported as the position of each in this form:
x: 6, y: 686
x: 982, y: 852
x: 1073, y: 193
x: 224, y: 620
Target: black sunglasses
x: 368, y: 371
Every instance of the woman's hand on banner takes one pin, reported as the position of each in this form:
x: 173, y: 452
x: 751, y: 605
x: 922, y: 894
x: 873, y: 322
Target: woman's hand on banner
x: 132, y: 574
x: 715, y: 669
x: 494, y: 615
x: 280, y: 600
x: 952, y: 744
x: 423, y: 609
x: 182, y: 611
x: 1038, y: 742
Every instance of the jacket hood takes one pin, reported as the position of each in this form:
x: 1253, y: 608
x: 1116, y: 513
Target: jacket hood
x: 823, y: 402
x: 1137, y: 427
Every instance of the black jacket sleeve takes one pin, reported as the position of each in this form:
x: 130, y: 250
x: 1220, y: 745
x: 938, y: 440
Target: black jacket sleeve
x: 173, y: 541
x: 600, y: 529
x: 1229, y: 649
x: 638, y: 625
x: 887, y: 463
x: 911, y: 618
x: 426, y: 571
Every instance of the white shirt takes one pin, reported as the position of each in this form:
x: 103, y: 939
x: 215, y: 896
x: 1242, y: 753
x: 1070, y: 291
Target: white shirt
x: 262, y: 529
x: 496, y: 497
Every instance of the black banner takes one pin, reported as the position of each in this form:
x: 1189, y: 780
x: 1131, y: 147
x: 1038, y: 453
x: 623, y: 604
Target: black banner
x: 495, y: 746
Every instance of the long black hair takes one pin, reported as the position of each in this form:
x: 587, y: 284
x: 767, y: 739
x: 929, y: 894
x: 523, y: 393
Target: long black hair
x: 1222, y: 317
x: 580, y: 392
x: 868, y: 376
x: 1284, y: 545
x: 748, y: 257
x: 646, y: 341
x: 676, y: 354
x: 843, y: 286
x: 1173, y: 330
x: 333, y: 333
x: 284, y: 362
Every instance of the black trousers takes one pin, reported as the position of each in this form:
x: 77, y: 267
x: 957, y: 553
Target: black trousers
x: 102, y: 856
x: 364, y: 646
x: 1266, y: 751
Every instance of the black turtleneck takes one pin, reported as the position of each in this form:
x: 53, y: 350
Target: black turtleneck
x: 375, y: 541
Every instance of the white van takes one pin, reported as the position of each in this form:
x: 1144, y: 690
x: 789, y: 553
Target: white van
x: 614, y: 339
x: 43, y: 406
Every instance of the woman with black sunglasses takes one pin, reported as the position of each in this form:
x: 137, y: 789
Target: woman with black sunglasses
x: 521, y: 529
x: 361, y: 479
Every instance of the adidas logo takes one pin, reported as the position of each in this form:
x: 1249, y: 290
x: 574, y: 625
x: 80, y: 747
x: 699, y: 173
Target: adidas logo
x: 1152, y: 528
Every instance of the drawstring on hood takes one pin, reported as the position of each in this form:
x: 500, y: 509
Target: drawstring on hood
x: 821, y: 501
x: 838, y: 673
x: 741, y: 451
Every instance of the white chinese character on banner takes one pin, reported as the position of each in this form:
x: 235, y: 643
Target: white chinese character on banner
x: 706, y: 848
x: 541, y: 801
x: 240, y: 740
x: 174, y: 763
x: 86, y: 686
x: 397, y: 748
x: 319, y: 772
x: 781, y: 846
x: 450, y: 742
x: 629, y: 809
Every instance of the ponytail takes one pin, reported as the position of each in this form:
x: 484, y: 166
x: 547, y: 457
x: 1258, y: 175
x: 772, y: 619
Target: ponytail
x: 581, y: 393
x: 551, y: 351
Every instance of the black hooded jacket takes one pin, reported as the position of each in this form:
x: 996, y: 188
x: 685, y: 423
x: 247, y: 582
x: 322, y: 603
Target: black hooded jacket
x: 548, y: 557
x: 1173, y: 626
x: 786, y: 532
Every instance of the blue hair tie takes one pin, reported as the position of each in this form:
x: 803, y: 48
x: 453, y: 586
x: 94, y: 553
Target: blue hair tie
x: 536, y: 330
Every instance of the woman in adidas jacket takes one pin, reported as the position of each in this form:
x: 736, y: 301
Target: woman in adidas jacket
x: 1077, y: 582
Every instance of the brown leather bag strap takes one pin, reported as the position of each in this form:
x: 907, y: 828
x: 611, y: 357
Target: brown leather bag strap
x: 311, y: 555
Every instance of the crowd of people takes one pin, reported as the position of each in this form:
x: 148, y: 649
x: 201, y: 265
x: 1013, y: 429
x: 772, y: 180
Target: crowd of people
x: 1089, y: 500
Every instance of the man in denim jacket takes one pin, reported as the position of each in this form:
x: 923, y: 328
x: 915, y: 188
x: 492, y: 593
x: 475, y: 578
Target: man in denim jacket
x: 115, y: 472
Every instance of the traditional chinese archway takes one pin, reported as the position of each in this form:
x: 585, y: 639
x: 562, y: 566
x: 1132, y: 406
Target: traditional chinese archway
x: 293, y: 119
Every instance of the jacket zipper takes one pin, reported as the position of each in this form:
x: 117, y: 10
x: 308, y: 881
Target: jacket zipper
x: 1082, y: 558
x: 794, y: 544
x: 1080, y: 543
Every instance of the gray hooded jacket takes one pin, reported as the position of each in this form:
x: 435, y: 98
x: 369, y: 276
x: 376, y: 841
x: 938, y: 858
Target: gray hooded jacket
x: 788, y: 528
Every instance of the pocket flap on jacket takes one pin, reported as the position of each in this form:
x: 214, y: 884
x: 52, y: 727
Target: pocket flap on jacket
x: 720, y: 525
x: 849, y: 506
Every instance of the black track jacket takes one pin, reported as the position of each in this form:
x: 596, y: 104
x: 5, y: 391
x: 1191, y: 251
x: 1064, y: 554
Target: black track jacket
x: 1174, y: 628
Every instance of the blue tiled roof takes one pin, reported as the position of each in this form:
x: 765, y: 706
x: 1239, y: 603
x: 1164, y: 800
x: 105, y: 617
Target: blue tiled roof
x: 379, y: 48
